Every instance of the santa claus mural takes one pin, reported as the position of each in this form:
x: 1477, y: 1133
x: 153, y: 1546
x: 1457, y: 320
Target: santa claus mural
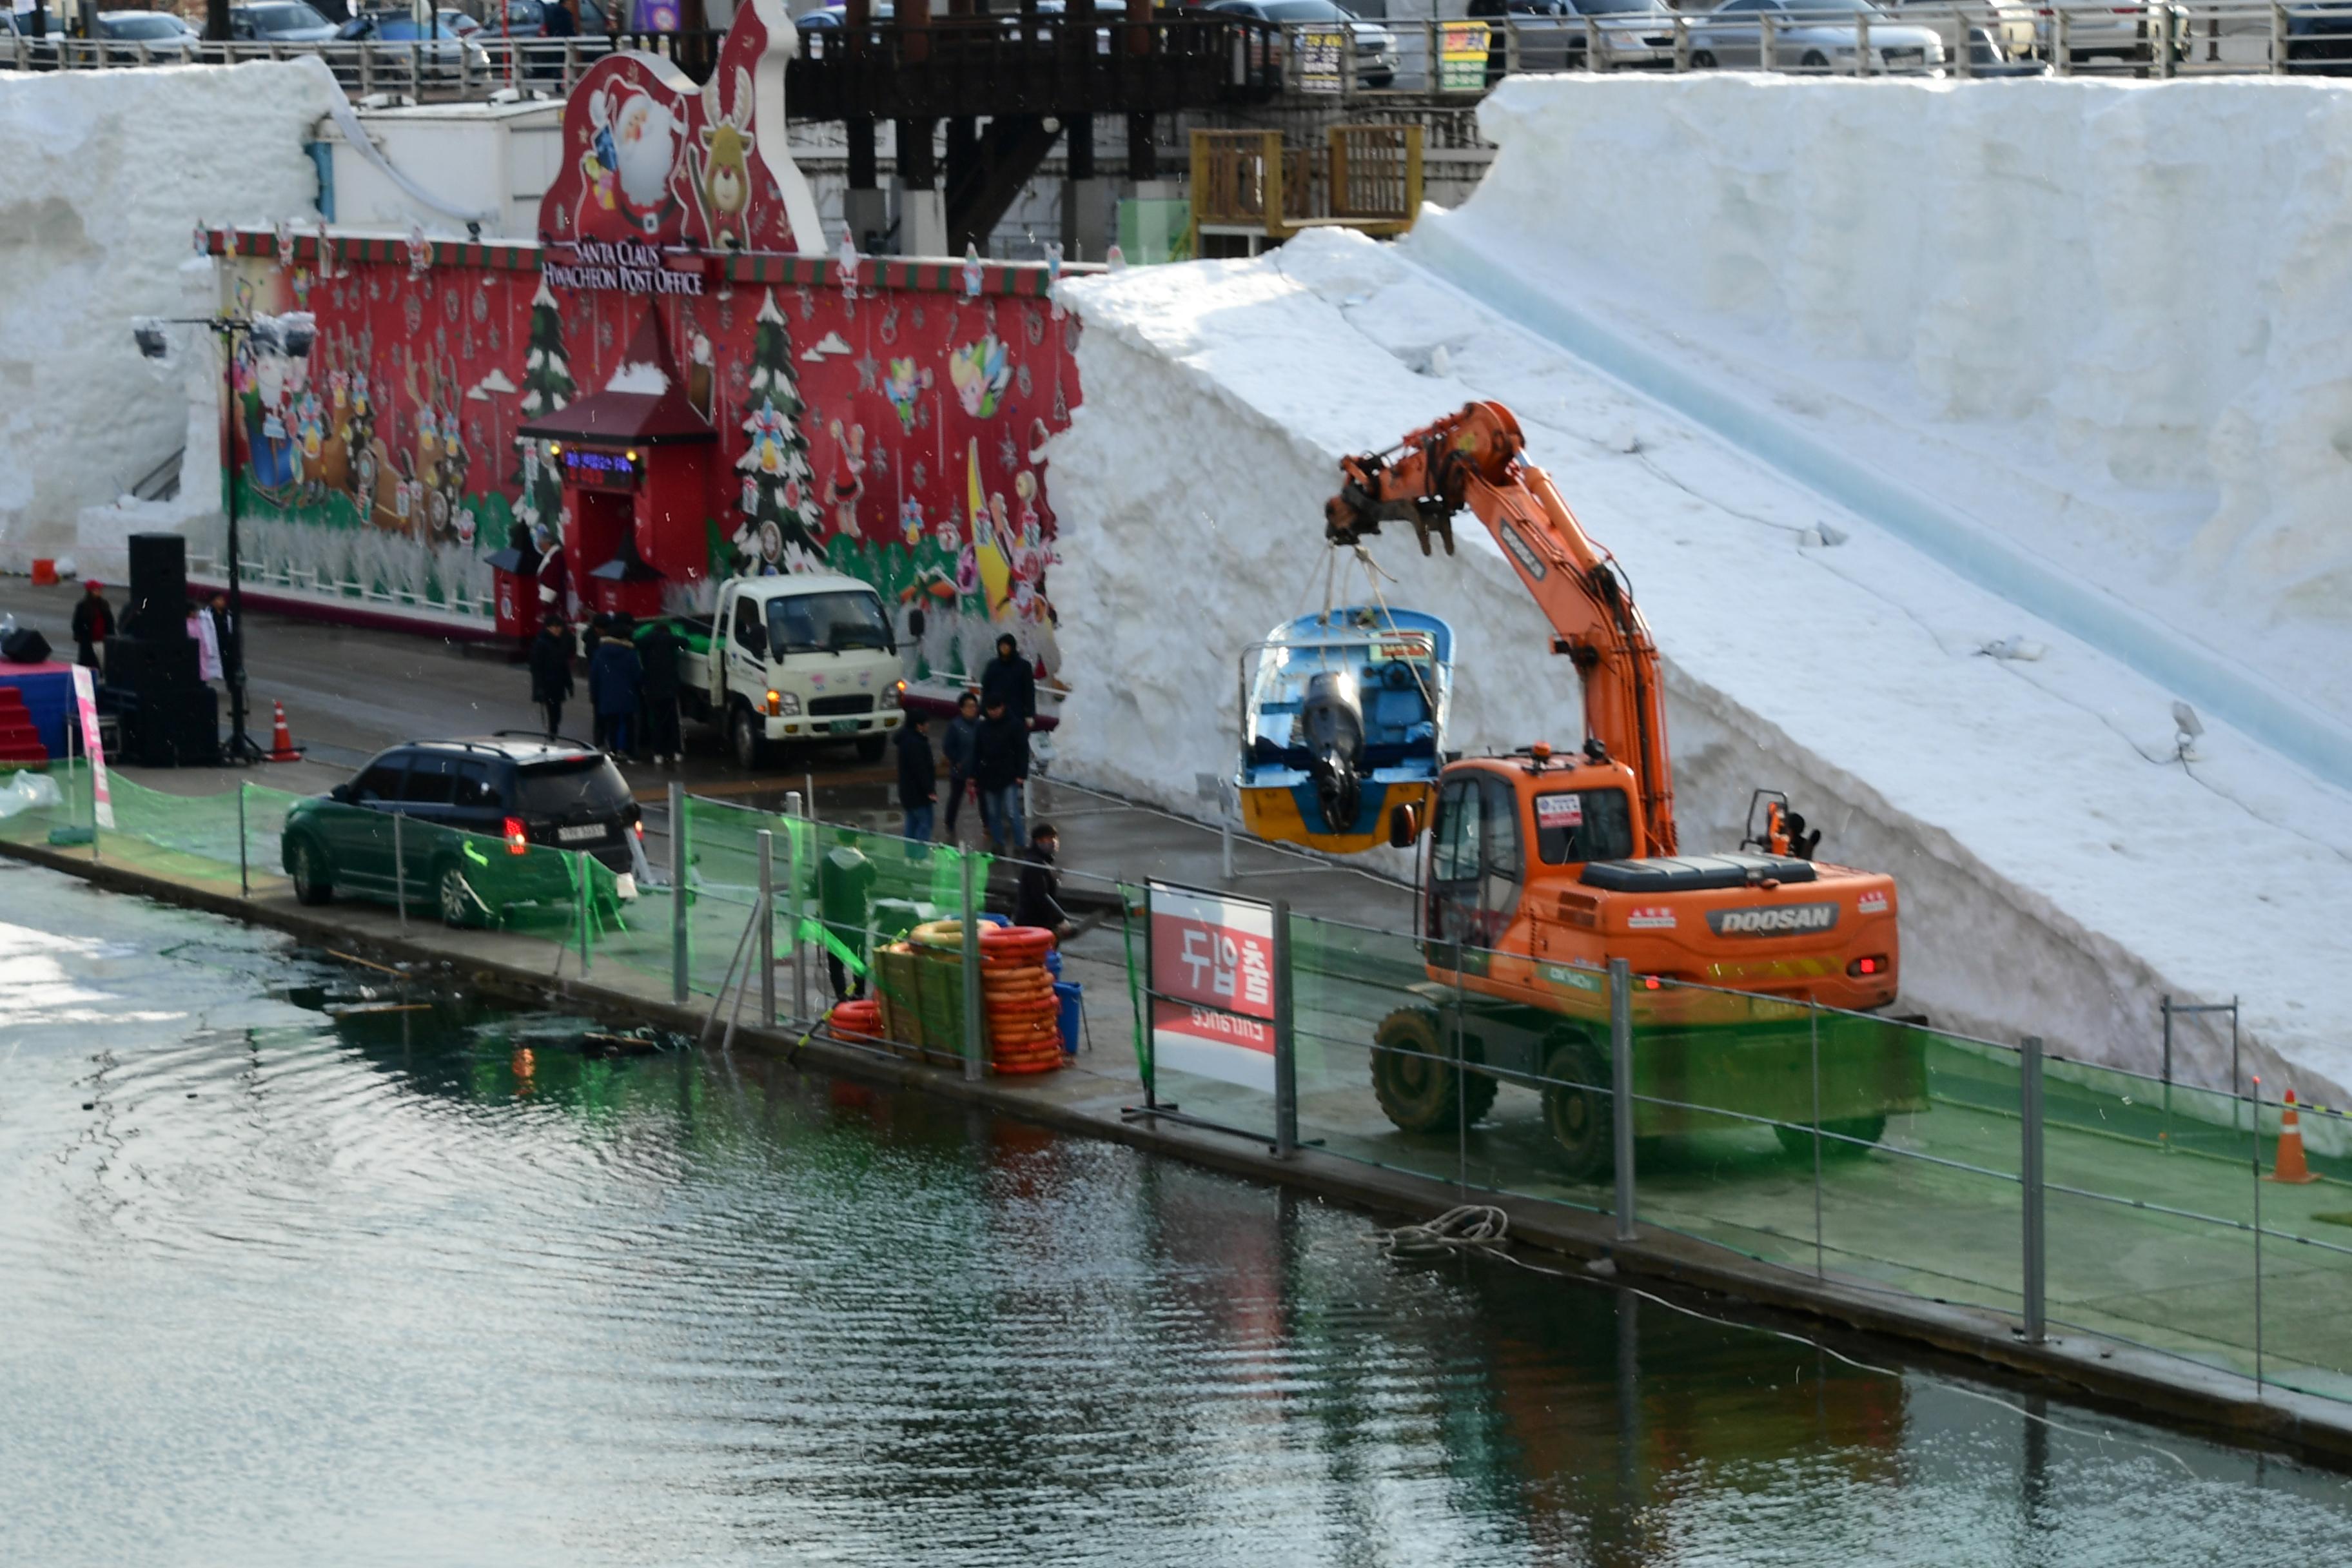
x: 631, y: 156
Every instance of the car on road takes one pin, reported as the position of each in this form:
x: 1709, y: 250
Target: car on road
x: 1555, y: 34
x: 162, y: 36
x: 441, y: 42
x: 470, y: 813
x: 17, y: 32
x: 792, y: 658
x: 278, y: 22
x: 1823, y: 36
x: 1375, y: 45
x: 2014, y: 27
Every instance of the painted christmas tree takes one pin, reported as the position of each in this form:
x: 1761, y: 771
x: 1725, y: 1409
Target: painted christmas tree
x: 546, y: 387
x: 779, y: 500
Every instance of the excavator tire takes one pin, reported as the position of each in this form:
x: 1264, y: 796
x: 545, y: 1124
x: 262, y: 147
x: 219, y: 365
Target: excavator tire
x: 1578, y: 1112
x: 1416, y: 1086
x: 1868, y: 1130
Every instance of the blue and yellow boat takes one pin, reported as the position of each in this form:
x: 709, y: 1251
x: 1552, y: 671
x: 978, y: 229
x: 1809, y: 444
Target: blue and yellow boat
x: 1343, y: 715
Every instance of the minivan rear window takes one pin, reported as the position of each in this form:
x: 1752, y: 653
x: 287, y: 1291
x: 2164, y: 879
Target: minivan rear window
x: 571, y: 791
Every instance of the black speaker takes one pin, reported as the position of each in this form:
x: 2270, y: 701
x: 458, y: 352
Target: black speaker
x: 24, y: 646
x: 152, y: 666
x: 159, y: 585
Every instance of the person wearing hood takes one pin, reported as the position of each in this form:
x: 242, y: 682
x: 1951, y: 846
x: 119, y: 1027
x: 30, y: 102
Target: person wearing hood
x: 1000, y: 761
x: 1009, y: 680
x: 616, y: 678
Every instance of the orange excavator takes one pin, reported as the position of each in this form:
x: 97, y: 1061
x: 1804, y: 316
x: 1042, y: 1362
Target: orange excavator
x: 1757, y: 967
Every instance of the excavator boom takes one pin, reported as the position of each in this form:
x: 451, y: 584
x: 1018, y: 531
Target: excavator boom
x: 1472, y: 460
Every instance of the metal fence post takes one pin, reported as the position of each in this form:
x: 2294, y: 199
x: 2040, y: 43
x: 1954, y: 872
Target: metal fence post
x: 1813, y: 1030
x: 2164, y: 1006
x: 244, y: 874
x: 677, y: 949
x: 580, y: 874
x: 767, y: 928
x: 2028, y: 1171
x: 2278, y: 40
x: 974, y: 1039
x: 2258, y: 1234
x: 1286, y: 1041
x: 1682, y: 42
x: 793, y: 901
x: 1621, y: 1084
x: 1768, y: 48
x: 2061, y: 54
x: 399, y: 872
x: 1861, y: 43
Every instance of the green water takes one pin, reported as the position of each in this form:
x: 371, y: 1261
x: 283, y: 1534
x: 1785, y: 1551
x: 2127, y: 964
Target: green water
x: 431, y: 1287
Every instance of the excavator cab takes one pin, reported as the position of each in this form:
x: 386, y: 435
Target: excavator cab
x: 1343, y: 720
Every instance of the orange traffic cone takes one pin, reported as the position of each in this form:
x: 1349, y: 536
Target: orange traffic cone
x: 2290, y: 1166
x: 281, y: 739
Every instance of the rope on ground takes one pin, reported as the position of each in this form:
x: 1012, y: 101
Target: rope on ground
x: 1483, y: 1230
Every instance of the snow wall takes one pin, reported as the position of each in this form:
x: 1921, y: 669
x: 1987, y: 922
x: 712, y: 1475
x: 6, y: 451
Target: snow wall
x: 2047, y: 841
x: 108, y: 174
x: 2089, y: 343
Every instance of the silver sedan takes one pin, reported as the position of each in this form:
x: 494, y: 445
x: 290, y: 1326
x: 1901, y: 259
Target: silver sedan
x: 1824, y: 36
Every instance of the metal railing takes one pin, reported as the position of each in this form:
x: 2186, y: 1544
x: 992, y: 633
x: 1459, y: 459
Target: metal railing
x: 1865, y: 1152
x: 1173, y: 62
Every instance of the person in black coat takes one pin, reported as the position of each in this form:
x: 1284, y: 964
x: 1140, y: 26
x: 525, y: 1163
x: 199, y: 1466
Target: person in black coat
x: 615, y: 681
x: 659, y: 647
x: 1038, y: 901
x: 962, y: 734
x: 919, y: 776
x: 93, y: 623
x: 1009, y: 680
x: 551, y: 670
x: 1000, y: 761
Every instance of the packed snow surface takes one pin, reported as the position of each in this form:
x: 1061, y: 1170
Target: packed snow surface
x: 2061, y: 868
x: 2090, y: 342
x: 106, y: 175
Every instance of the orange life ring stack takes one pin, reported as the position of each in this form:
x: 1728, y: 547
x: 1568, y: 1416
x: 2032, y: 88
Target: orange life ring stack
x: 857, y: 1020
x: 1024, y: 1032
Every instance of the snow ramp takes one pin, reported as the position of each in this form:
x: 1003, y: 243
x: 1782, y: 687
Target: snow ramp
x: 2061, y: 868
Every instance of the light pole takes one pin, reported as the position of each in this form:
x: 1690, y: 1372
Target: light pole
x: 292, y: 335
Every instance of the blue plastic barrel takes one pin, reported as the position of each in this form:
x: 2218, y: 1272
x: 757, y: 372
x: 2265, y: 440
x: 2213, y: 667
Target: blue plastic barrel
x: 1053, y: 962
x: 1068, y: 992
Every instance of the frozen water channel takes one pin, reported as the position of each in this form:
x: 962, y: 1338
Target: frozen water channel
x: 288, y: 1275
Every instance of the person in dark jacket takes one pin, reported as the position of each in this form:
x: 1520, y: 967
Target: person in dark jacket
x: 658, y: 649
x: 1038, y: 901
x: 551, y: 670
x: 615, y: 678
x: 962, y: 732
x: 919, y: 776
x: 1000, y: 761
x: 1009, y: 680
x: 556, y: 20
x: 93, y: 623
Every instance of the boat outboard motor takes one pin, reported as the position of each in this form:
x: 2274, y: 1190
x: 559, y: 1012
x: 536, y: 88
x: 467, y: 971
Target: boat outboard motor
x: 1332, y: 724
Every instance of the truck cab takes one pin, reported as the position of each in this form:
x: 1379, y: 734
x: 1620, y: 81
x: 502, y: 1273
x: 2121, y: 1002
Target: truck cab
x: 803, y: 657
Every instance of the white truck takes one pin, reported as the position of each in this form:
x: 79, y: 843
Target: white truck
x: 799, y: 658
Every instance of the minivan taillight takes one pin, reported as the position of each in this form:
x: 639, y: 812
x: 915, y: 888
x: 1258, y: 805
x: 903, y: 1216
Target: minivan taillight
x: 517, y: 841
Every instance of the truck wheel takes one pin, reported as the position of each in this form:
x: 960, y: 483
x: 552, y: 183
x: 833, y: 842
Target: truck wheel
x: 869, y: 747
x: 1415, y: 1078
x: 1576, y: 1108
x: 1867, y: 1130
x: 313, y: 882
x: 743, y: 735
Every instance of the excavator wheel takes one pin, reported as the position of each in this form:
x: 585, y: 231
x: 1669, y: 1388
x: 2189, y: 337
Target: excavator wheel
x: 1415, y: 1080
x: 1577, y: 1110
x: 1868, y: 1130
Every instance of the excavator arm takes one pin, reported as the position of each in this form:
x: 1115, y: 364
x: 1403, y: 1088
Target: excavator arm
x: 1472, y: 460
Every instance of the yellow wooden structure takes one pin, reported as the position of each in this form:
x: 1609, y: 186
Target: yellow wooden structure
x: 1249, y: 190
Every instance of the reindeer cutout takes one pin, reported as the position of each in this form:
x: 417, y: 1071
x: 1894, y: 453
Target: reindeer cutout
x: 724, y: 182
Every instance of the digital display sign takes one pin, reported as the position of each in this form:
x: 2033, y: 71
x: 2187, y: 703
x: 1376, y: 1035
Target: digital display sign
x: 595, y: 470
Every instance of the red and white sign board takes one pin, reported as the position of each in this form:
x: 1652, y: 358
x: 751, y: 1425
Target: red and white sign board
x: 1559, y: 810
x: 1212, y: 979
x: 86, y: 706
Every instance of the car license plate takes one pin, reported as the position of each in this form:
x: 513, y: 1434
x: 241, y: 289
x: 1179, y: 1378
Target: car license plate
x: 844, y: 726
x: 575, y: 835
